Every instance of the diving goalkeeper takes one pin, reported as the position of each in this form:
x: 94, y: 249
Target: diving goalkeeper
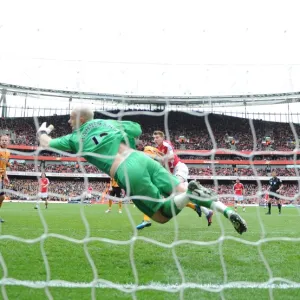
x: 108, y: 144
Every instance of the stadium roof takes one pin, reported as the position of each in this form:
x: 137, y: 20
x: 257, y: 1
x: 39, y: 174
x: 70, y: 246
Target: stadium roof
x: 203, y: 101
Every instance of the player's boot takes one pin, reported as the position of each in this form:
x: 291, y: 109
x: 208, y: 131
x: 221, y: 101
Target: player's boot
x: 120, y: 211
x: 198, y: 210
x: 195, y: 188
x: 238, y: 223
x: 143, y: 225
x: 209, y: 218
x: 108, y: 211
x: 1, y: 220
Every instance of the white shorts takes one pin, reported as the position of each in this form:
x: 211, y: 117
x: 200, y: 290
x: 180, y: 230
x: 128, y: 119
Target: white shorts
x: 239, y: 198
x: 43, y: 195
x: 88, y: 196
x: 181, y: 170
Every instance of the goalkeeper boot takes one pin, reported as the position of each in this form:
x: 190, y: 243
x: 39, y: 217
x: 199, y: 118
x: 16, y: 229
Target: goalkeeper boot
x: 209, y: 218
x: 195, y: 188
x: 143, y: 225
x: 198, y: 210
x: 1, y: 220
x: 108, y: 211
x: 238, y: 223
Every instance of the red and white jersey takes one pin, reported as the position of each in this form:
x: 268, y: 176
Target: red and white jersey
x: 267, y: 196
x: 90, y: 189
x: 238, y: 189
x: 167, y: 149
x: 44, y: 182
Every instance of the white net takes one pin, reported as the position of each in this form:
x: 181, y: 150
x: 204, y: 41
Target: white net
x: 79, y: 251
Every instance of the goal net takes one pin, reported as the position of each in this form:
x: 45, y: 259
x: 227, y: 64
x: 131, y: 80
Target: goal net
x: 75, y: 249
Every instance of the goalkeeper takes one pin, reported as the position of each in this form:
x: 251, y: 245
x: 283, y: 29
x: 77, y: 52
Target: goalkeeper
x: 108, y: 144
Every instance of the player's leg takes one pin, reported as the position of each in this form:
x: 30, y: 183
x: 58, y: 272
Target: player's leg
x: 2, y: 197
x: 279, y: 205
x: 145, y: 223
x: 243, y: 204
x: 235, y: 203
x: 110, y: 202
x: 118, y: 195
x: 181, y: 171
x: 137, y: 181
x: 269, y: 205
x: 45, y: 199
x: 208, y: 198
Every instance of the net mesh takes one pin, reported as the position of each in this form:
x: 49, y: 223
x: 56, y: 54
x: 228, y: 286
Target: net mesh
x: 182, y: 240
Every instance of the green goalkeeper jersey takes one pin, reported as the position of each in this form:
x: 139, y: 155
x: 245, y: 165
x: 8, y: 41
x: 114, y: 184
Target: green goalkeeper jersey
x: 98, y: 141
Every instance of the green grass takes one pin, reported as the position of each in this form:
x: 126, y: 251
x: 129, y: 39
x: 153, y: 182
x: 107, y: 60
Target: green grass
x: 201, y: 264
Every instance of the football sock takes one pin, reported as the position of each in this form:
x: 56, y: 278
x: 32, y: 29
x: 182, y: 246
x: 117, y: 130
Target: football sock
x: 120, y: 205
x: 146, y: 218
x: 191, y: 205
x: 110, y: 204
x: 175, y: 205
x: 205, y: 210
x: 279, y: 207
x: 269, y: 207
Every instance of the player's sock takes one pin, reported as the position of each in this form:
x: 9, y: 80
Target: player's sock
x: 146, y: 218
x: 207, y: 200
x: 279, y: 207
x: 110, y: 204
x: 269, y: 207
x: 244, y: 209
x: 46, y: 204
x: 120, y: 206
x: 205, y: 211
x: 191, y: 205
x: 175, y: 205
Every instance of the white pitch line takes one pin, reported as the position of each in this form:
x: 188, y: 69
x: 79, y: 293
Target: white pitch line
x: 153, y: 286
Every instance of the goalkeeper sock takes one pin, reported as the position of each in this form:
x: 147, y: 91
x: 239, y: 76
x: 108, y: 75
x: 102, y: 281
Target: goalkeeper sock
x: 175, y: 205
x: 191, y: 205
x: 146, y: 218
x: 269, y: 207
x: 120, y: 205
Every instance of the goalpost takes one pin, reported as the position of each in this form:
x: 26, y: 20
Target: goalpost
x: 186, y: 238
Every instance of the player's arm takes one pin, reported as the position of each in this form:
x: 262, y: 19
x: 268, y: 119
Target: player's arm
x: 5, y: 177
x: 61, y: 143
x: 45, y: 185
x: 280, y: 186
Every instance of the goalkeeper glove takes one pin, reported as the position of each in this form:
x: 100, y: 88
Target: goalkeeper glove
x: 44, y: 129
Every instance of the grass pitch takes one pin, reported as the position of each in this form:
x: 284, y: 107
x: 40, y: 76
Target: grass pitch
x: 217, y: 262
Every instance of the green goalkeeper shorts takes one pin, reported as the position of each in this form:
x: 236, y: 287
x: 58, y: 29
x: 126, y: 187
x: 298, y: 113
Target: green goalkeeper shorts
x: 146, y: 178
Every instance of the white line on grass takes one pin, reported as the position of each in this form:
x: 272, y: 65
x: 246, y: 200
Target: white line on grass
x: 153, y: 286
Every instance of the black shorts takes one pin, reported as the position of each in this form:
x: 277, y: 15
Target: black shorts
x: 273, y: 197
x: 115, y: 192
x: 1, y: 188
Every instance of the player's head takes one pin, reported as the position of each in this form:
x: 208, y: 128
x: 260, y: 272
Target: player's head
x: 79, y: 116
x: 274, y: 173
x: 4, y: 141
x: 158, y: 137
x: 43, y: 175
x: 237, y: 180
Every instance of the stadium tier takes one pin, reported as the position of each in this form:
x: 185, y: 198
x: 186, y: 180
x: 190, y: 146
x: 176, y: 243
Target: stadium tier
x: 187, y: 132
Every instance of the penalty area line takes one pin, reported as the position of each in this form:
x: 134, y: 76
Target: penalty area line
x: 153, y: 286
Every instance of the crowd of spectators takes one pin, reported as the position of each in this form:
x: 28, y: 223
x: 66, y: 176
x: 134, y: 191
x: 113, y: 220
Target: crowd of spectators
x: 201, y: 171
x: 63, y: 190
x: 198, y: 131
x: 60, y: 190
